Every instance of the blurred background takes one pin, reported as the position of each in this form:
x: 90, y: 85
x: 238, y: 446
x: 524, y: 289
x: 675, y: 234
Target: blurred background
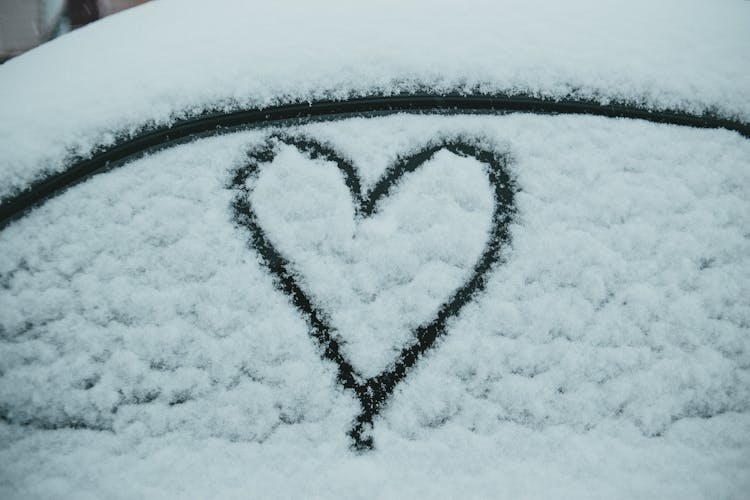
x: 24, y: 24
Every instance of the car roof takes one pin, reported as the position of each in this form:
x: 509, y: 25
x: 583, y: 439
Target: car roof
x: 170, y: 59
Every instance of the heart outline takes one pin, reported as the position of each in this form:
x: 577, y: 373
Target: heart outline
x: 373, y: 393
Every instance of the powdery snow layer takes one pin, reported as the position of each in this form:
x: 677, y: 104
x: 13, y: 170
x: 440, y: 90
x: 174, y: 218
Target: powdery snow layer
x: 145, y: 352
x: 178, y: 57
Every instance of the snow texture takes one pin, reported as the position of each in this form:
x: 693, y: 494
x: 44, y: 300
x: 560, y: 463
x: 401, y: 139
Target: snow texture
x: 172, y: 58
x: 145, y: 351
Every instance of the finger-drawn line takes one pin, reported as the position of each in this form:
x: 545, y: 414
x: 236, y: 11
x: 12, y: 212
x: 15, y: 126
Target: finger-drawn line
x: 373, y: 392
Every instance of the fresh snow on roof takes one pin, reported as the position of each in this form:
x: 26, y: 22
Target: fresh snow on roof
x: 178, y: 57
x: 147, y: 353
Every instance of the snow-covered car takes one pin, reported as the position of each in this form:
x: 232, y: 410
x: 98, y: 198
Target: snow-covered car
x: 382, y: 250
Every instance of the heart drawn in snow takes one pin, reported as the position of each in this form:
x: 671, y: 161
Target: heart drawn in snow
x: 373, y: 392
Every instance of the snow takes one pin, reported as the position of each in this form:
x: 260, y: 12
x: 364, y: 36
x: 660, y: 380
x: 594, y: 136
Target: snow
x: 145, y: 351
x: 174, y: 58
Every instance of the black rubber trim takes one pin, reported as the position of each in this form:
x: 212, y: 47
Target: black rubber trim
x: 211, y: 123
